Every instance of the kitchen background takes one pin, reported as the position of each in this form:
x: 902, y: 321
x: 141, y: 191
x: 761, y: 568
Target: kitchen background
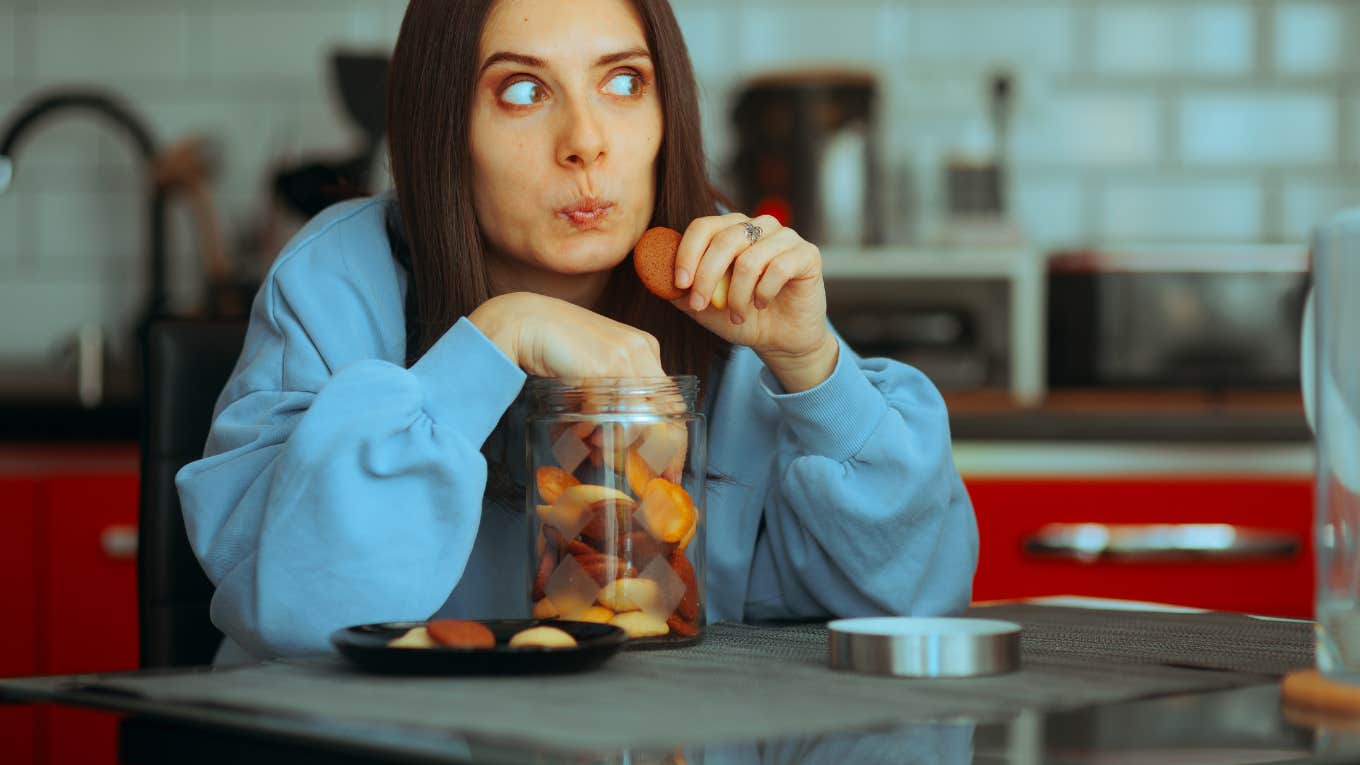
x: 1118, y: 346
x: 1156, y: 121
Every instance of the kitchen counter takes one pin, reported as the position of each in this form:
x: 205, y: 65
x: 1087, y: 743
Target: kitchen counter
x: 29, y: 422
x: 1085, y: 416
x: 1132, y: 416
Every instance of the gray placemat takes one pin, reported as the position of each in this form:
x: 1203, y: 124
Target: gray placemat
x: 1214, y: 640
x: 747, y: 682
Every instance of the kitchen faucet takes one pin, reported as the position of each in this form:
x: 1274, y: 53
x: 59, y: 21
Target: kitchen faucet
x: 108, y: 106
x: 89, y: 345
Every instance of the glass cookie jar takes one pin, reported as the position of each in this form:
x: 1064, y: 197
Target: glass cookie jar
x: 616, y: 505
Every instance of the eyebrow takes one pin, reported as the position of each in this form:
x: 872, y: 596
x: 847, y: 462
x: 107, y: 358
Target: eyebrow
x: 532, y: 61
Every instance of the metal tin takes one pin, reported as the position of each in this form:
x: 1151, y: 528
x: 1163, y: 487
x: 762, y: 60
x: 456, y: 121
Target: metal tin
x: 925, y: 647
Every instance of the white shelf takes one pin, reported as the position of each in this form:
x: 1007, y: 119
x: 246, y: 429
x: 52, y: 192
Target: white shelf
x: 927, y: 263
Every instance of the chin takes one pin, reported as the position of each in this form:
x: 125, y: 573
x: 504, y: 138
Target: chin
x: 591, y: 251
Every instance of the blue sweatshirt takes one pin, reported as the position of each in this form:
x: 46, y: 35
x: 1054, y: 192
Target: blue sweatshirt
x: 339, y: 486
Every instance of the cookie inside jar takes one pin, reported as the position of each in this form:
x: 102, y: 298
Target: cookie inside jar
x: 616, y: 506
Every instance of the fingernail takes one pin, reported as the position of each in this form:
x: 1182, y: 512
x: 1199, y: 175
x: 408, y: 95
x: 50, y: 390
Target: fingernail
x: 681, y: 278
x: 696, y: 301
x: 760, y: 304
x: 736, y: 318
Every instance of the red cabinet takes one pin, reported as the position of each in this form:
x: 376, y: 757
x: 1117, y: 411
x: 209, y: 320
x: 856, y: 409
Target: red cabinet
x: 70, y: 518
x: 89, y: 530
x: 19, y: 604
x: 1011, y: 511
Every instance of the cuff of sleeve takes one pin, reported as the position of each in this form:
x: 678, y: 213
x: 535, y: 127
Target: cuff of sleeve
x: 835, y: 418
x: 468, y: 381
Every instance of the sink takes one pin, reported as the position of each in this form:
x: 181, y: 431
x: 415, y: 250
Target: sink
x: 42, y: 403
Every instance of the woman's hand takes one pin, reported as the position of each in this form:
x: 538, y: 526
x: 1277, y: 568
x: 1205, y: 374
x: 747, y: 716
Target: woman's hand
x: 548, y: 337
x: 776, y: 301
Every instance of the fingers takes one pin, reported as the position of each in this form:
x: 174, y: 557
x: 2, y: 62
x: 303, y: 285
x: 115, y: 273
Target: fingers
x: 695, y: 241
x: 724, y: 246
x: 750, y: 267
x: 794, y: 263
x: 635, y: 354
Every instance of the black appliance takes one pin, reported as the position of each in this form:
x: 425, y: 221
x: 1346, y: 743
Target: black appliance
x: 807, y: 153
x: 1163, y: 319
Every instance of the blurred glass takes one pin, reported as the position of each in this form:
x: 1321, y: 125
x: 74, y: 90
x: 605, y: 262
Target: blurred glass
x: 1332, y: 394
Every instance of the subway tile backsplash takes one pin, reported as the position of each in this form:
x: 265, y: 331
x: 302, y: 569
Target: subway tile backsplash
x: 1276, y: 127
x: 1182, y: 209
x: 1091, y: 128
x: 109, y: 42
x: 1214, y: 39
x: 1310, y: 38
x: 1147, y: 120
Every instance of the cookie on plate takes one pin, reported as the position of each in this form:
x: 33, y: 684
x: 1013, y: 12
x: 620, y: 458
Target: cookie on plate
x: 459, y: 633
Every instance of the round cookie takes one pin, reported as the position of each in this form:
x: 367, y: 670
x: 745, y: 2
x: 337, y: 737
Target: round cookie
x: 654, y: 259
x: 542, y: 637
x: 461, y: 634
x: 416, y: 637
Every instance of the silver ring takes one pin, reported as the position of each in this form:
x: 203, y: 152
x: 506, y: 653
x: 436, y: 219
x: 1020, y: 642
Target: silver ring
x: 753, y: 231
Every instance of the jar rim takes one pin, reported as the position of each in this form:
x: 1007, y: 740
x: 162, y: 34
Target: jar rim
x: 624, y: 386
x: 634, y: 396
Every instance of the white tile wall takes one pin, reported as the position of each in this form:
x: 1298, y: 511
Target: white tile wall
x: 60, y: 151
x: 1219, y: 38
x: 707, y: 31
x: 1350, y: 140
x: 1307, y: 203
x: 53, y: 309
x: 86, y: 233
x: 112, y: 44
x: 1311, y: 38
x: 1259, y: 127
x: 1135, y: 38
x: 282, y: 44
x: 9, y: 44
x: 767, y: 35
x: 1092, y: 128
x: 1051, y: 209
x: 1032, y: 34
x: 1168, y: 38
x: 11, y: 233
x: 1135, y: 119
x: 1184, y: 209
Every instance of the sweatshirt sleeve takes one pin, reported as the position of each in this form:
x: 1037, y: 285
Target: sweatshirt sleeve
x: 334, y: 493
x: 866, y: 514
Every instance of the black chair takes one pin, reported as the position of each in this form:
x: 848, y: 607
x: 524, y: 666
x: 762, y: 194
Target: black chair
x: 187, y: 364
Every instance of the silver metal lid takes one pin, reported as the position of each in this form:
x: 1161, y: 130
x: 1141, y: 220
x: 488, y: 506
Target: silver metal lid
x: 925, y: 646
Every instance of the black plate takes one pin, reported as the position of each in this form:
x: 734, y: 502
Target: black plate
x: 366, y: 645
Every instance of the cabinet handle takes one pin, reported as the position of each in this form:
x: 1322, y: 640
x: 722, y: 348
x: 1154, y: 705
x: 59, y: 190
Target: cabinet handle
x: 119, y: 542
x: 1160, y: 542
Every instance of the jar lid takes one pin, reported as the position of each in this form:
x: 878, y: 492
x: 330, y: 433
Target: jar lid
x: 925, y: 646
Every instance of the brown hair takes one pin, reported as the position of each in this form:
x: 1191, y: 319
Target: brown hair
x: 433, y: 226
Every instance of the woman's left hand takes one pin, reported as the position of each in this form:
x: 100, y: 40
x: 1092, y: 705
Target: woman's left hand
x: 776, y: 302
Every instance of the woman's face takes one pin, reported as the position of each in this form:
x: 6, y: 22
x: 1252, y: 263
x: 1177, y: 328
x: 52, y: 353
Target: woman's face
x: 566, y: 127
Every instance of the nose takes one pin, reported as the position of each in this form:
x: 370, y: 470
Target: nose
x: 582, y: 142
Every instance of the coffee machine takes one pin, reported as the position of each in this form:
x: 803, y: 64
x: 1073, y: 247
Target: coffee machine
x: 807, y: 154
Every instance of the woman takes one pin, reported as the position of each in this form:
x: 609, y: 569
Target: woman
x: 532, y: 142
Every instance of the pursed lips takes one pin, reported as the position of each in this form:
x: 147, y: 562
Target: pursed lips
x: 586, y: 213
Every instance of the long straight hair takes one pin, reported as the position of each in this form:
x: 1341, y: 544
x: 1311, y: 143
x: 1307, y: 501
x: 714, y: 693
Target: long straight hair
x: 433, y: 225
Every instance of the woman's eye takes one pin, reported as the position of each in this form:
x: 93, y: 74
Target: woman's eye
x: 524, y: 93
x: 627, y: 84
